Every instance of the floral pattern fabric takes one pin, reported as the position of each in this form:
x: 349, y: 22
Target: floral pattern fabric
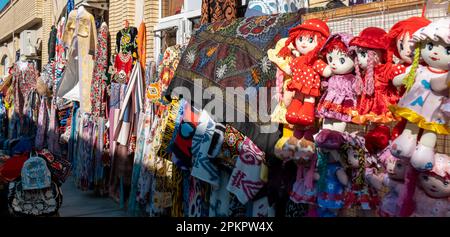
x: 126, y: 41
x: 98, y: 89
x: 218, y: 10
x: 25, y: 76
x: 233, y: 54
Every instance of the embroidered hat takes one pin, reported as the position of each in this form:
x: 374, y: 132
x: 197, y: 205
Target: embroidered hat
x: 438, y: 30
x: 441, y: 166
x: 371, y: 37
x: 410, y: 25
x: 313, y: 25
x: 35, y: 174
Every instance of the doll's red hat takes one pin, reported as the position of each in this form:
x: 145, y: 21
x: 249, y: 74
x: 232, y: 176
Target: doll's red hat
x: 372, y: 38
x: 377, y: 139
x: 410, y: 25
x: 313, y: 25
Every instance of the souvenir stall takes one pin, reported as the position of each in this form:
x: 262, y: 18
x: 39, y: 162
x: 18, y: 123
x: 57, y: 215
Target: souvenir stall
x: 285, y: 112
x: 40, y: 147
x: 340, y: 86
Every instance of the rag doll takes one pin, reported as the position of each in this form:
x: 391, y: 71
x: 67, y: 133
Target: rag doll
x: 289, y: 146
x: 303, y: 194
x: 305, y: 68
x: 339, y: 99
x: 394, y: 180
x: 399, y: 44
x: 426, y: 93
x: 399, y: 40
x: 432, y: 197
x: 360, y: 198
x: 331, y: 177
x: 373, y: 78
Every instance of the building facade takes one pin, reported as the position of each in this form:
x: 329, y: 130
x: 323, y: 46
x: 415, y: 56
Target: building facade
x: 31, y: 19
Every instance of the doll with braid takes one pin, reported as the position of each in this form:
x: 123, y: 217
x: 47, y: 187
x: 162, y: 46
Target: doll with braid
x: 427, y: 93
x: 374, y: 75
x: 400, y: 46
x: 360, y: 197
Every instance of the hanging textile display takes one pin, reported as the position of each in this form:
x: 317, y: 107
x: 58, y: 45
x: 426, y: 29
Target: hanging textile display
x: 60, y: 52
x: 141, y: 44
x: 300, y: 83
x: 217, y: 51
x: 100, y: 76
x: 221, y: 10
x: 52, y: 44
x: 259, y: 7
x: 81, y: 36
x: 126, y: 41
x: 24, y: 75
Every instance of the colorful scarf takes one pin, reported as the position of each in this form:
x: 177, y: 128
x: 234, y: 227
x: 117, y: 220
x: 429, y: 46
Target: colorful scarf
x: 245, y: 180
x: 203, y: 168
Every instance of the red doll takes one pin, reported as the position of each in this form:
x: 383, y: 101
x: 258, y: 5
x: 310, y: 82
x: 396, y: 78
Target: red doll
x: 306, y: 69
x: 374, y: 76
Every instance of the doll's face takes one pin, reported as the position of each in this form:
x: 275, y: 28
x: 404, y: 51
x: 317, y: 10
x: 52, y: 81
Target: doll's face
x: 363, y: 56
x: 353, y: 158
x: 435, y: 186
x: 306, y: 44
x: 396, y: 168
x: 405, y: 48
x: 340, y: 63
x: 436, y: 54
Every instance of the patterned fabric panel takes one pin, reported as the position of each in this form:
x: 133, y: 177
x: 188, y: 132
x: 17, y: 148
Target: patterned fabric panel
x: 270, y: 7
x: 234, y: 54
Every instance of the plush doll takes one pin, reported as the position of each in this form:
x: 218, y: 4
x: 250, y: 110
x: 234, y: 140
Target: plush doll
x: 303, y: 194
x: 339, y: 99
x: 289, y: 146
x: 306, y: 69
x: 373, y: 78
x: 360, y: 198
x: 432, y: 198
x: 427, y: 92
x: 399, y: 39
x: 394, y: 180
x: 331, y: 177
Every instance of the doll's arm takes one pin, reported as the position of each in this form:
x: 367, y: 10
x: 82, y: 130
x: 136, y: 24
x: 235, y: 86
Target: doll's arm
x: 342, y: 176
x: 322, y: 68
x: 399, y: 73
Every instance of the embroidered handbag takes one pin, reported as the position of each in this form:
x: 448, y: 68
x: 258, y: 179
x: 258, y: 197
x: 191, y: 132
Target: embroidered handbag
x: 40, y: 202
x: 59, y: 167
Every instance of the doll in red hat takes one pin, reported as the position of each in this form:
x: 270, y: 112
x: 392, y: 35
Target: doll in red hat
x: 399, y: 39
x: 399, y: 44
x: 374, y: 77
x: 306, y: 69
